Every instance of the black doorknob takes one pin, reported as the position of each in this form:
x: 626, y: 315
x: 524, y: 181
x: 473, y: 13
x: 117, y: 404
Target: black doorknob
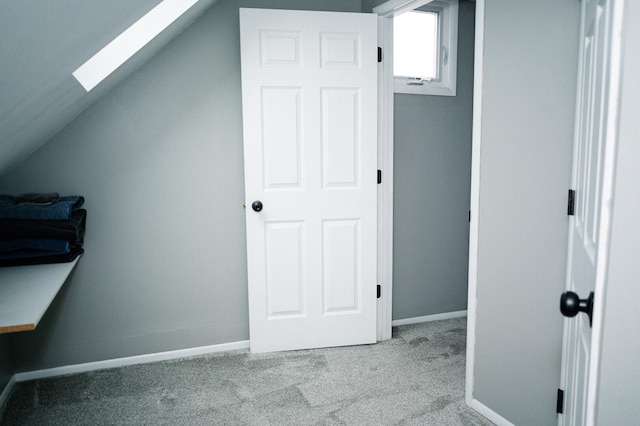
x: 256, y: 206
x: 571, y: 305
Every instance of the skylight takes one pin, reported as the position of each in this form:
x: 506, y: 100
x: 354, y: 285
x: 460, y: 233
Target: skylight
x: 134, y: 38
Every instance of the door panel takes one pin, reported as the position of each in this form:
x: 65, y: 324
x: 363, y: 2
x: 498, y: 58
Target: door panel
x: 280, y: 137
x: 283, y: 244
x: 340, y: 139
x: 341, y: 284
x: 309, y: 92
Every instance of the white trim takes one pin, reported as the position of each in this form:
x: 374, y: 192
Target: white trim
x: 565, y: 327
x: 615, y: 29
x: 475, y: 209
x: 564, y: 418
x: 4, y: 396
x: 429, y: 318
x: 385, y: 190
x: 394, y: 7
x: 488, y: 412
x: 385, y: 194
x: 132, y: 360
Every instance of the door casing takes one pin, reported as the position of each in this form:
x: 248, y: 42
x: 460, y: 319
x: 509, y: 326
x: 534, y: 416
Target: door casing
x: 385, y: 13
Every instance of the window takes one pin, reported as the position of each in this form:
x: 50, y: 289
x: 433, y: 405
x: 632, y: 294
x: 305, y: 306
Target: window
x: 425, y: 49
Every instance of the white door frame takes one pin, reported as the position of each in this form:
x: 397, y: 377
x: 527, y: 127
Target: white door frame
x: 385, y: 189
x: 385, y: 159
x: 474, y: 206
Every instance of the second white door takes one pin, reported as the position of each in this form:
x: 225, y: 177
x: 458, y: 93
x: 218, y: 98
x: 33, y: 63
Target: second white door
x: 593, y: 177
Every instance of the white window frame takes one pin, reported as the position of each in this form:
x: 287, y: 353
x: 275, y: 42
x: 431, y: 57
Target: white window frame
x: 445, y: 85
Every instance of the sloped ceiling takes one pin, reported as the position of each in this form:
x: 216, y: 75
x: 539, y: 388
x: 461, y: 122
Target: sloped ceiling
x: 42, y: 43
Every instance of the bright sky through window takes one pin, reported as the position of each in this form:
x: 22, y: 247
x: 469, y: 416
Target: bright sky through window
x: 415, y: 41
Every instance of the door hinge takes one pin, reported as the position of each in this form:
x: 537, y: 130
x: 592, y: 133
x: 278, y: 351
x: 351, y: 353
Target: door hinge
x: 560, y: 401
x: 379, y: 54
x: 379, y: 177
x: 571, y: 202
x: 378, y: 291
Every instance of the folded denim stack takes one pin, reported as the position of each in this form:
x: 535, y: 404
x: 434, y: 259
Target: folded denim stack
x: 38, y: 228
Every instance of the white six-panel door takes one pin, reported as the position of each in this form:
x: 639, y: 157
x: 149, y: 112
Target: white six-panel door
x: 593, y: 173
x: 309, y: 94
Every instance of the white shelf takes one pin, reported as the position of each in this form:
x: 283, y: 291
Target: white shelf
x: 27, y: 291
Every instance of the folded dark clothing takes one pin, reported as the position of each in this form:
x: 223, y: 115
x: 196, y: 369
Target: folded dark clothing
x: 56, y: 258
x: 31, y: 247
x: 71, y: 230
x: 28, y: 253
x: 38, y: 198
x: 60, y: 210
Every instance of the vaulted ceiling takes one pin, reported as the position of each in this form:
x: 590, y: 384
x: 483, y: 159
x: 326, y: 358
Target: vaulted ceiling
x: 42, y: 43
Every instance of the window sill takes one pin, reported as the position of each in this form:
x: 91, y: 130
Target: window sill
x: 436, y: 89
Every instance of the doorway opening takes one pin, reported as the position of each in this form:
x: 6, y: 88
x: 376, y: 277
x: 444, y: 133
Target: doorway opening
x: 427, y: 193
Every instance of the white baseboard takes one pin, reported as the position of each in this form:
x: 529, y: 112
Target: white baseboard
x: 488, y: 412
x: 132, y: 360
x: 169, y: 355
x: 5, y: 393
x: 428, y: 318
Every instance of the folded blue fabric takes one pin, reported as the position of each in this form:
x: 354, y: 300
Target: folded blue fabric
x: 33, y: 252
x: 55, y: 246
x: 71, y: 230
x: 38, y: 198
x: 10, y: 208
x: 36, y: 260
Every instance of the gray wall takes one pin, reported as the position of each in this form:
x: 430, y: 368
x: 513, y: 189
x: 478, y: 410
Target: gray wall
x: 432, y: 173
x: 529, y: 81
x: 159, y: 160
x: 368, y: 5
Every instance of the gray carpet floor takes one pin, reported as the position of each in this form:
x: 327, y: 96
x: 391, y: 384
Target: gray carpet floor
x: 416, y: 378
